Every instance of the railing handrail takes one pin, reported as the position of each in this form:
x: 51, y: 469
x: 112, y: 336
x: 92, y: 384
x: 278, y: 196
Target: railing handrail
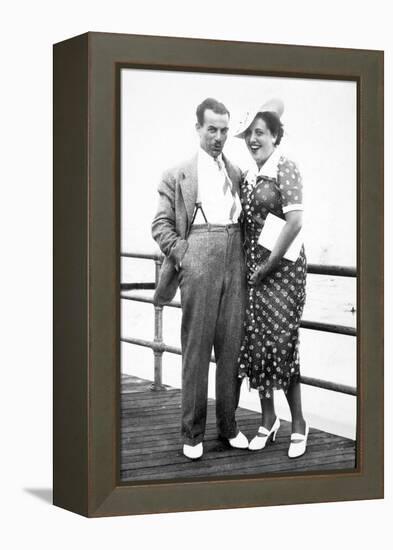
x: 312, y: 325
x: 316, y: 382
x: 315, y: 269
x: 159, y: 347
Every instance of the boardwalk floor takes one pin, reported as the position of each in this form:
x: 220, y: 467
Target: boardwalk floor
x: 151, y: 447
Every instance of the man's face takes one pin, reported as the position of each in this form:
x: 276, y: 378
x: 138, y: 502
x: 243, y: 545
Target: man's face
x: 213, y: 133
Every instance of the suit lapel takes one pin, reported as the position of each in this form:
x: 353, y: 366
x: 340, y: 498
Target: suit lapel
x: 233, y: 175
x: 189, y: 186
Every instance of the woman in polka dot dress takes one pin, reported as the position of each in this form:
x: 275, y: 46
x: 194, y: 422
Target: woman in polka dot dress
x: 269, y: 355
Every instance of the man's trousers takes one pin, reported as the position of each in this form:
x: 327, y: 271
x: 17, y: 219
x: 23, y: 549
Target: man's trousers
x: 213, y: 290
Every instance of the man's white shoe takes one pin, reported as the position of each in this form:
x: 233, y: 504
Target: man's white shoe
x: 239, y: 442
x: 298, y: 444
x: 193, y: 452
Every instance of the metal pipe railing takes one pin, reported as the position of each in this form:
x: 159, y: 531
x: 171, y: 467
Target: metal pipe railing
x: 313, y: 325
x: 315, y: 269
x: 158, y: 341
x: 137, y: 286
x: 159, y: 347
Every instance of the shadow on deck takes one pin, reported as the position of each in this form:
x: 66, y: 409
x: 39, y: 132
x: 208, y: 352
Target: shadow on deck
x: 151, y: 446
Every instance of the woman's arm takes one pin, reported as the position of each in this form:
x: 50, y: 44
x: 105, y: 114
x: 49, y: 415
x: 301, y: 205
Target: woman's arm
x: 288, y: 233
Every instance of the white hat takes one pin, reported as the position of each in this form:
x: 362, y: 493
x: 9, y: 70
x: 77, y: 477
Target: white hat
x: 274, y: 105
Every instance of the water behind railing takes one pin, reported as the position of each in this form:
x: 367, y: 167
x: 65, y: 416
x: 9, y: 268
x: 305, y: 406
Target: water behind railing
x: 323, y: 355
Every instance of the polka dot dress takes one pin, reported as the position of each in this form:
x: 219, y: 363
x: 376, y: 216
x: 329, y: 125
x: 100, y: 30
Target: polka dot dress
x: 269, y: 354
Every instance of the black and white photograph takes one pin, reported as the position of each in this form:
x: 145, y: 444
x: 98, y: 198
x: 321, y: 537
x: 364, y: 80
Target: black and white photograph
x: 238, y: 203
x: 171, y: 379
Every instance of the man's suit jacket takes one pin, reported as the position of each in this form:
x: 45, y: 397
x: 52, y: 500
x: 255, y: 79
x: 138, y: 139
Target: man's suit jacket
x: 178, y: 191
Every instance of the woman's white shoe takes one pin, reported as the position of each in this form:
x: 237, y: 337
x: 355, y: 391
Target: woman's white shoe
x: 260, y: 440
x: 298, y: 444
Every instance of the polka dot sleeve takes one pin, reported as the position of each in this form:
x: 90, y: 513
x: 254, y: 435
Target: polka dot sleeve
x: 290, y: 185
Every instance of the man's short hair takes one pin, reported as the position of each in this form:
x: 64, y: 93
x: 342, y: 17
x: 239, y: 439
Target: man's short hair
x: 212, y: 104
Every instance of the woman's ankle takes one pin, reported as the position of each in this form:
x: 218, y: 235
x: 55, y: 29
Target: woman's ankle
x: 268, y: 420
x: 298, y: 425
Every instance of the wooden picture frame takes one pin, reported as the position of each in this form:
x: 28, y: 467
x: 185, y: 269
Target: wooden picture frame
x: 87, y: 267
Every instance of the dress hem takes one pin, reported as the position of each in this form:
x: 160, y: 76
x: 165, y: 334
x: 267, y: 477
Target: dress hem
x: 293, y: 379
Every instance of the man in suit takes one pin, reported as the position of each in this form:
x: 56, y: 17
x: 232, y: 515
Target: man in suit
x: 206, y: 260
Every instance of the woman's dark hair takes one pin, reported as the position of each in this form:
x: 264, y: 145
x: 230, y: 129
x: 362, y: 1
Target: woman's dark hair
x: 212, y: 104
x: 274, y: 124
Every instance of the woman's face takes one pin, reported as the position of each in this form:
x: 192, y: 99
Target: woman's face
x: 260, y: 141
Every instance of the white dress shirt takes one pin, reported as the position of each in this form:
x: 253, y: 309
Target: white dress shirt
x: 216, y: 203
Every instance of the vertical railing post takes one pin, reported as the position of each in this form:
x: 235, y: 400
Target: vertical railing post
x: 158, y: 317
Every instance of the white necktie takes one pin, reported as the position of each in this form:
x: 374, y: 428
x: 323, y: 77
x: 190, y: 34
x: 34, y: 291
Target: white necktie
x: 227, y: 186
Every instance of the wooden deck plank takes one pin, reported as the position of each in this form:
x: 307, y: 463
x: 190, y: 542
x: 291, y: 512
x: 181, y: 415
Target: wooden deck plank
x: 213, y: 469
x: 249, y: 428
x: 238, y: 472
x: 151, y: 445
x: 221, y: 452
x: 167, y: 449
